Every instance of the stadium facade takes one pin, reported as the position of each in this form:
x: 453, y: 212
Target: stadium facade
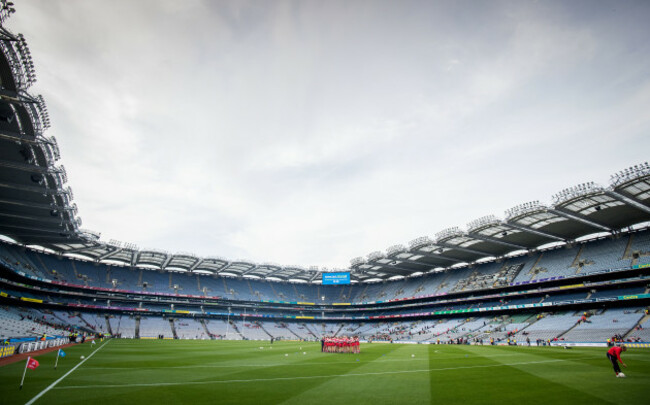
x: 575, y: 271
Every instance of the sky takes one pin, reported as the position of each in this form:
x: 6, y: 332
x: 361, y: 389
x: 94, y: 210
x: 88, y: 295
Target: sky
x: 312, y: 132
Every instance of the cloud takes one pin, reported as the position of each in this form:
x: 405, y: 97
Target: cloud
x: 310, y: 133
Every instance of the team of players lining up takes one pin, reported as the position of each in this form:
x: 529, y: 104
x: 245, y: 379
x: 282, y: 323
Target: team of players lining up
x: 341, y: 344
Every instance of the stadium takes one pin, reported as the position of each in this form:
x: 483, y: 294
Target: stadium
x: 516, y: 307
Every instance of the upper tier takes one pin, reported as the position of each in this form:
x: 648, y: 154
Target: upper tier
x: 620, y: 252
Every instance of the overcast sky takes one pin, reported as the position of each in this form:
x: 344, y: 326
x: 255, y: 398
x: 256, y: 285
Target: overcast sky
x: 313, y: 132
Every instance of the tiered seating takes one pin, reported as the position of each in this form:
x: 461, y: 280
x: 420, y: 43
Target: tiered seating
x: 598, y: 328
x: 220, y: 329
x: 375, y: 291
x: 156, y: 282
x: 123, y: 325
x: 62, y: 317
x: 500, y: 327
x: 151, y: 326
x: 302, y: 331
x: 596, y: 255
x: 641, y: 246
x: 350, y: 329
x: 253, y: 330
x: 466, y: 329
x: 58, y: 268
x: 240, y: 290
x: 484, y: 277
x: 298, y: 331
x: 186, y: 282
x: 312, y: 331
x: 509, y: 273
x: 125, y: 279
x: 399, y: 330
x: 641, y: 334
x: 556, y: 263
x: 604, y: 254
x: 188, y: 328
x: 279, y: 330
x: 19, y: 323
x: 393, y: 290
x: 363, y: 331
x: 490, y: 326
x: 548, y: 327
x: 454, y: 277
x: 380, y: 331
x: 13, y: 257
x: 437, y: 329
x: 95, y: 321
x: 213, y: 286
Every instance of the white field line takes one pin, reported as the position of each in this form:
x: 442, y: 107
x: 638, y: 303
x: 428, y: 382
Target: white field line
x: 420, y: 358
x: 40, y: 394
x: 426, y: 370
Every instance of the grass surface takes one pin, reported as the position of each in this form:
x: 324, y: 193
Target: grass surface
x: 229, y: 372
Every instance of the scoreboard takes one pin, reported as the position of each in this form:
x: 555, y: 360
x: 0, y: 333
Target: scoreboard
x: 336, y: 278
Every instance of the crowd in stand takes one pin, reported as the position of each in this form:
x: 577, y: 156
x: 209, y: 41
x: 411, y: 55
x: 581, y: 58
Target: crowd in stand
x: 616, y: 339
x: 380, y: 337
x: 342, y: 344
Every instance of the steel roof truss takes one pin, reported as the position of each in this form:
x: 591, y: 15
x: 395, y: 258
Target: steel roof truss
x: 109, y: 254
x: 580, y: 218
x: 629, y: 201
x: 497, y: 241
x: 524, y: 228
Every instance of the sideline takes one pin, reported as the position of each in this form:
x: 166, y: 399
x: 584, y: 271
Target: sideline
x: 22, y: 356
x: 40, y: 394
x: 426, y: 370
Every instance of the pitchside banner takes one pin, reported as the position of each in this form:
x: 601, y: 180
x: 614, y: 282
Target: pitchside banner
x: 336, y: 278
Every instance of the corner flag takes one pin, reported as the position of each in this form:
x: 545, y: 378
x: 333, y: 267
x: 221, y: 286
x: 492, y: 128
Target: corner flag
x: 59, y: 353
x: 31, y: 364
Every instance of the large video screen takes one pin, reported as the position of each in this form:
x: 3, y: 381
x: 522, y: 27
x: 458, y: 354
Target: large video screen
x: 336, y: 278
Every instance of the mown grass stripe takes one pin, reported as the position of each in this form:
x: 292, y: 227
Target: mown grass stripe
x: 416, y: 359
x: 307, y: 377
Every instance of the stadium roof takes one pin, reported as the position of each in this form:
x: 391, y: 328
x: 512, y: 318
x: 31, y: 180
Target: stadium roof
x: 36, y: 206
x: 576, y: 212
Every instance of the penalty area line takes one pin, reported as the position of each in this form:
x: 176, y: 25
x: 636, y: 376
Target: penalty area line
x: 40, y: 394
x: 426, y: 370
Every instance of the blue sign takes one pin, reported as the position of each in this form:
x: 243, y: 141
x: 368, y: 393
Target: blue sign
x: 336, y: 278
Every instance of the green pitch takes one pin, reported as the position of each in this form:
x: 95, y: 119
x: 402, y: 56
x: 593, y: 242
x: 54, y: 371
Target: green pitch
x: 152, y: 372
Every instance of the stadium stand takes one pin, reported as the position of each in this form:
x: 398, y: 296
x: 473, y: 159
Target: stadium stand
x: 600, y: 327
x: 575, y: 270
x: 560, y: 262
x: 154, y: 327
x: 25, y: 322
x: 187, y: 328
x: 122, y: 326
x: 548, y: 327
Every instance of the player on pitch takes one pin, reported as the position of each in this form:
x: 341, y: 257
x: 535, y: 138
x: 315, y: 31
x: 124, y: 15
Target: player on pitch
x: 614, y: 355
